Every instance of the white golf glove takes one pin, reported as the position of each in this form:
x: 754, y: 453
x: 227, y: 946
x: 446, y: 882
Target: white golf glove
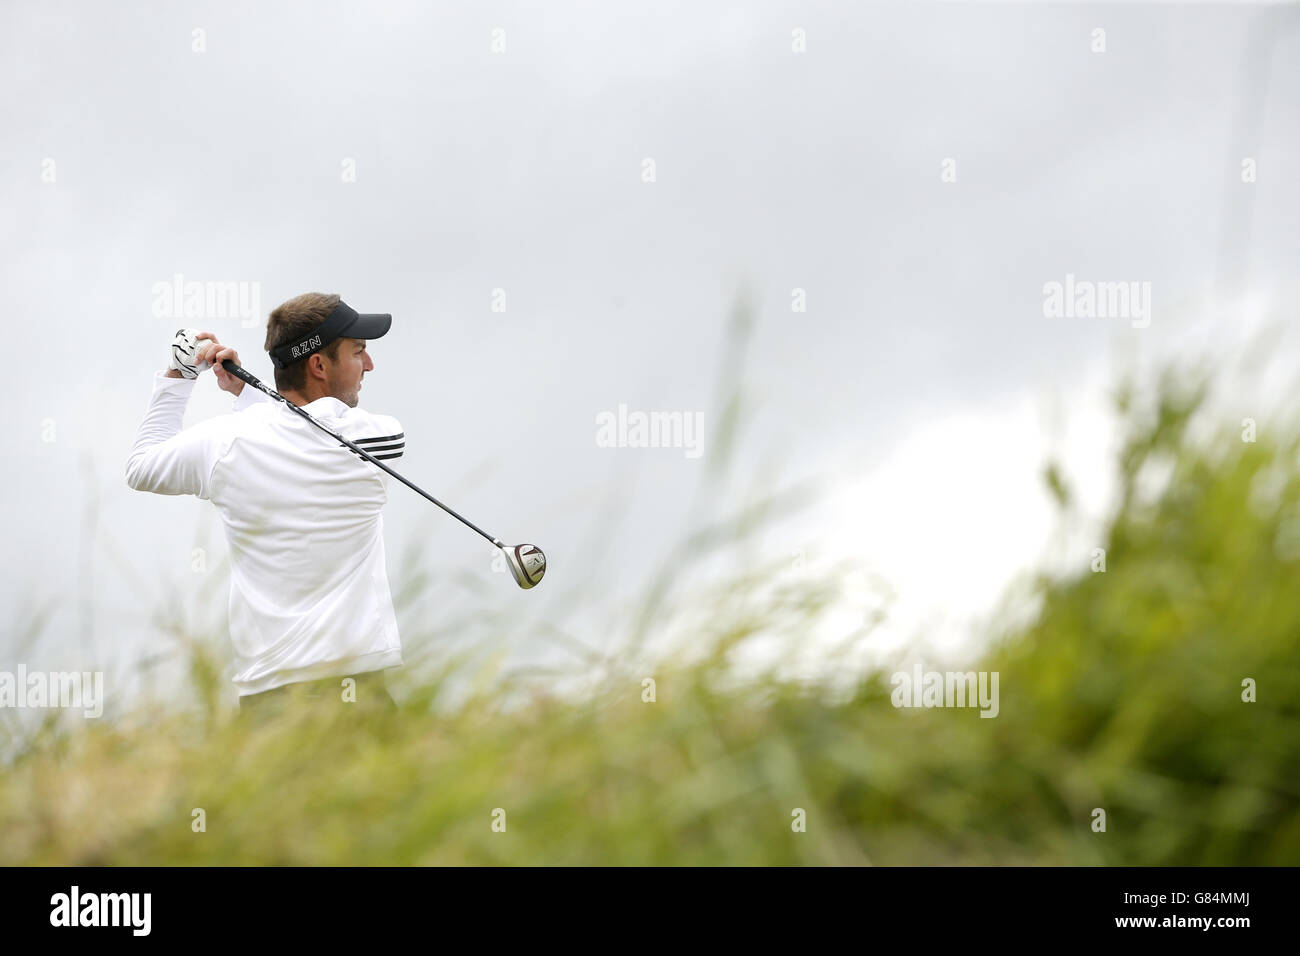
x: 184, y: 346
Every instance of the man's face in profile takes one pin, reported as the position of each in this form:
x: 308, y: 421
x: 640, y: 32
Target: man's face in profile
x: 344, y: 373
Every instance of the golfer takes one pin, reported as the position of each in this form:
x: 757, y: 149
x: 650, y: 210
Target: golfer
x: 311, y: 615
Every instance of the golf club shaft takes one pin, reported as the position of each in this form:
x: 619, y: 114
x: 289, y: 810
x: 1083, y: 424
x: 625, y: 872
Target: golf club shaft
x: 250, y: 379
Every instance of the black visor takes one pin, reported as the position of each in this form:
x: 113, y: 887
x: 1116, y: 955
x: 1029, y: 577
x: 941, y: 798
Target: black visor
x: 343, y: 323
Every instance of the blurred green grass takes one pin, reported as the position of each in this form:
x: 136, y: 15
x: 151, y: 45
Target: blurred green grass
x: 1123, y: 694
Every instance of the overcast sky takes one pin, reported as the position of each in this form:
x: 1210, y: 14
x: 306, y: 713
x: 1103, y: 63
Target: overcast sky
x: 919, y: 171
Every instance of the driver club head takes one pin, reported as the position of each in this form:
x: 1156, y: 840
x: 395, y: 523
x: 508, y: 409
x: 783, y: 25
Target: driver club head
x: 527, y: 564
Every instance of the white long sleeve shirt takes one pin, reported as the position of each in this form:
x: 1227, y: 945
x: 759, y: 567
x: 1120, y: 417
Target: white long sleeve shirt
x: 309, y: 594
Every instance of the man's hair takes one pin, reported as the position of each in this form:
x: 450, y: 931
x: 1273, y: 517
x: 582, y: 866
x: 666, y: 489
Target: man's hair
x: 293, y: 321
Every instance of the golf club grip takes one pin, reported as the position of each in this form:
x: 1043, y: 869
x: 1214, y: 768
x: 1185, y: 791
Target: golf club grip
x: 239, y: 372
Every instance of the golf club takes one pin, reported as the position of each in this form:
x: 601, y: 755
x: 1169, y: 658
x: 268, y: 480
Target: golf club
x: 526, y: 561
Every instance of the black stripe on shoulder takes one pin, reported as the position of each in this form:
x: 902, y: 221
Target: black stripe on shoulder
x: 371, y: 441
x: 395, y: 446
x: 374, y: 457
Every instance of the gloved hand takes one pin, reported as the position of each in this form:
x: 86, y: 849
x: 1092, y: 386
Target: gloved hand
x: 184, y: 349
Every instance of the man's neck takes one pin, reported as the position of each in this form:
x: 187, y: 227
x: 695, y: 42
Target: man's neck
x: 304, y: 397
